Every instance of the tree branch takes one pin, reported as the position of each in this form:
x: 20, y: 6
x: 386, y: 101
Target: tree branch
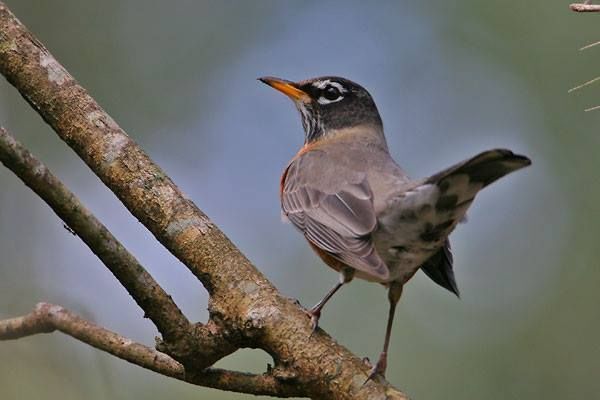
x: 156, y: 303
x: 242, y: 301
x: 47, y: 318
x: 585, y: 7
x: 180, y: 337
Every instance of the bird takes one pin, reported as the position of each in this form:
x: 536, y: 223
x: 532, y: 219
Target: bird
x: 358, y: 209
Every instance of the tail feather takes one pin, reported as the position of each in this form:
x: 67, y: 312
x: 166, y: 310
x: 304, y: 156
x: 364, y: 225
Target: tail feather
x: 484, y: 168
x: 416, y: 224
x: 458, y: 186
x: 439, y: 269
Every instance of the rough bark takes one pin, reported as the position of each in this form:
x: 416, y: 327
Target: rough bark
x: 184, y: 339
x: 47, y: 318
x: 243, y: 303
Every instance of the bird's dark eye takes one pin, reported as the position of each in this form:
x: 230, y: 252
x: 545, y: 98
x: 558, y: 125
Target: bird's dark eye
x: 331, y: 93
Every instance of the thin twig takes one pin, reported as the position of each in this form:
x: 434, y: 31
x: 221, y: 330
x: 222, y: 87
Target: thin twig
x: 180, y: 337
x: 47, y: 318
x: 583, y: 7
x: 584, y: 84
x: 586, y: 6
x: 156, y: 303
x: 588, y: 46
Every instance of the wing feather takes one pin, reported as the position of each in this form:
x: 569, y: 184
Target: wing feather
x: 338, y: 218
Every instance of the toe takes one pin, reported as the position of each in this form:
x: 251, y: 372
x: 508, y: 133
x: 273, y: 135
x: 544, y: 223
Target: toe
x: 378, y: 369
x: 314, y: 324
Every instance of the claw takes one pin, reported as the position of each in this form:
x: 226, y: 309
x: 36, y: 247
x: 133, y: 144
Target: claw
x: 315, y: 315
x: 315, y: 312
x: 378, y: 369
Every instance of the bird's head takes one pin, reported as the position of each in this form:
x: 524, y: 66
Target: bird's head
x: 329, y: 104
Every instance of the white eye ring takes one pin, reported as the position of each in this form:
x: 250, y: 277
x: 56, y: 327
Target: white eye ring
x: 323, y: 100
x: 328, y: 85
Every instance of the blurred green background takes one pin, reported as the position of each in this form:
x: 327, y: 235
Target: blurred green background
x: 450, y: 79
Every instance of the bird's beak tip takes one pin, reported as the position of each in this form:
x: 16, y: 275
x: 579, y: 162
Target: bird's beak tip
x: 286, y: 87
x: 269, y: 80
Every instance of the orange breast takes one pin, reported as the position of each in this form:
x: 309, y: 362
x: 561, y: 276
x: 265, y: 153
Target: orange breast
x: 327, y: 258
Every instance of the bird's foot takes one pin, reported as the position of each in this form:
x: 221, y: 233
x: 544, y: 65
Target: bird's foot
x: 378, y: 369
x: 314, y: 314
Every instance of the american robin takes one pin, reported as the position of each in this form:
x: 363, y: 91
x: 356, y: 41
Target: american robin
x: 358, y: 209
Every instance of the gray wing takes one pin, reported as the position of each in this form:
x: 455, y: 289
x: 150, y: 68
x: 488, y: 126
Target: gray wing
x: 335, y: 213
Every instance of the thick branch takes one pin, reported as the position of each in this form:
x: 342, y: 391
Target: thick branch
x: 242, y: 301
x: 46, y: 318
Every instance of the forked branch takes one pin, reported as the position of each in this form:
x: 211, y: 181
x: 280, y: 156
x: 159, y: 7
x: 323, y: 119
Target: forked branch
x: 182, y: 339
x: 156, y: 303
x: 47, y: 318
x: 243, y: 303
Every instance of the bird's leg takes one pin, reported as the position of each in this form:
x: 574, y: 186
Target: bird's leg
x: 394, y: 293
x: 315, y: 312
x: 346, y: 276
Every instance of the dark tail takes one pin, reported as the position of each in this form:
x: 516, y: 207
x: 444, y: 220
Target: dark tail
x: 458, y: 186
x: 439, y: 269
x: 485, y: 167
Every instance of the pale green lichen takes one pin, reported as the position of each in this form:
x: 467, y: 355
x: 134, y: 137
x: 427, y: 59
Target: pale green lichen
x: 102, y: 120
x: 257, y: 316
x: 248, y: 287
x: 180, y: 225
x: 114, y: 148
x: 6, y: 46
x: 56, y: 73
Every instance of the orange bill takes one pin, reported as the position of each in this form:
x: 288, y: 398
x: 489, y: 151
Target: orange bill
x: 286, y: 87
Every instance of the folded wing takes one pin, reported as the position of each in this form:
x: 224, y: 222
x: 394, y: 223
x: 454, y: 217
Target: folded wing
x: 335, y: 215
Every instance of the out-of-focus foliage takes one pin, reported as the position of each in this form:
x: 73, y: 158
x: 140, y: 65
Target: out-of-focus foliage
x: 450, y: 79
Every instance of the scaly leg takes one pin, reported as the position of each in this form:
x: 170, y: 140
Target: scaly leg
x: 346, y: 276
x: 394, y: 293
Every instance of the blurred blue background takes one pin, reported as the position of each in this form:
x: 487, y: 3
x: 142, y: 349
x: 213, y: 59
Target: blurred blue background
x: 450, y: 79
